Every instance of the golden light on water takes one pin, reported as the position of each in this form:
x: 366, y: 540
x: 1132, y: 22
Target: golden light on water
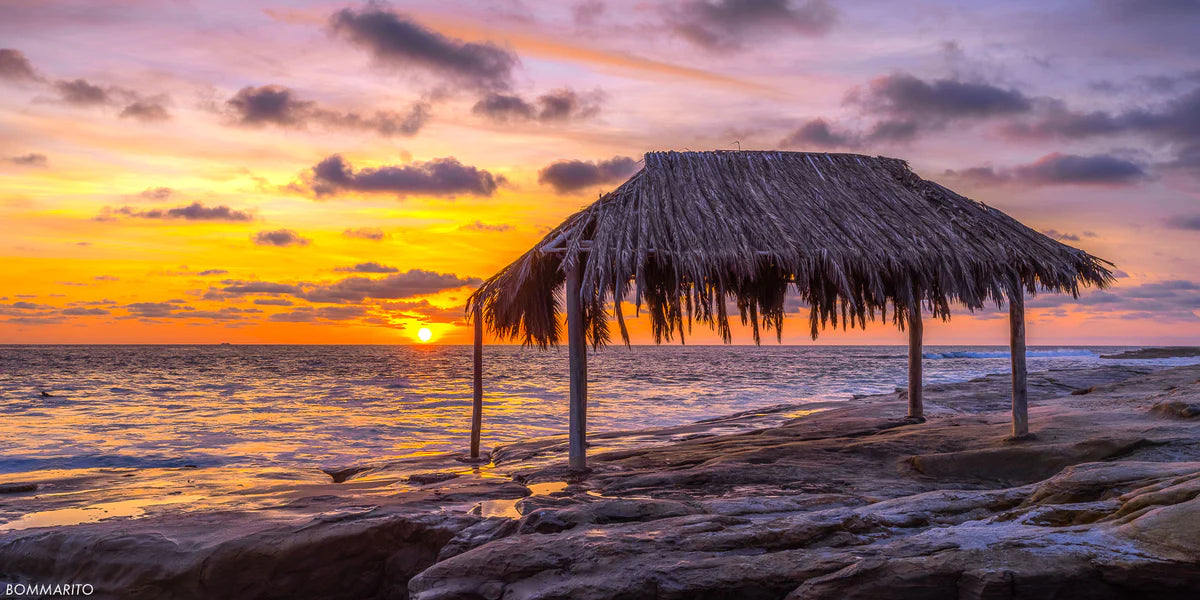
x: 424, y: 334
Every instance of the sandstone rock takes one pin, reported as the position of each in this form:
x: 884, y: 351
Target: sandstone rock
x: 1019, y: 463
x: 428, y: 478
x: 1176, y: 409
x: 341, y: 474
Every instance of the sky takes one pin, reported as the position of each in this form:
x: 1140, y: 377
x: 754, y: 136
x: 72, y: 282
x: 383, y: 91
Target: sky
x: 347, y: 172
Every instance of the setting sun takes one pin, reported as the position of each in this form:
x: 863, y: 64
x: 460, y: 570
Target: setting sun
x: 424, y: 334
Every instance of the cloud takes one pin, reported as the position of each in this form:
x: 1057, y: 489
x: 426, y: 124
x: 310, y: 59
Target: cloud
x: 374, y: 234
x: 398, y: 42
x: 268, y: 104
x: 1061, y: 236
x: 368, y: 267
x: 1172, y: 300
x: 904, y: 96
x: 415, y: 282
x: 209, y: 272
x: 1057, y: 169
x: 437, y: 177
x: 192, y: 212
x: 147, y: 111
x: 728, y: 24
x: 1102, y: 169
x: 350, y: 290
x: 81, y: 93
x: 816, y: 133
x: 150, y: 309
x: 15, y: 67
x: 567, y: 176
x: 158, y: 193
x: 1177, y: 119
x: 29, y: 160
x: 273, y: 302
x: 280, y: 237
x: 83, y: 312
x: 481, y: 226
x: 279, y: 105
x: 425, y: 310
x: 555, y: 106
x: 239, y: 288
x: 1187, y: 222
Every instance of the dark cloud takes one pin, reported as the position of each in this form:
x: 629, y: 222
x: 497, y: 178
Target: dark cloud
x: 396, y: 41
x: 555, y: 106
x: 273, y: 302
x: 29, y: 160
x: 424, y: 310
x: 903, y: 96
x: 268, y: 104
x: 150, y: 309
x: 438, y: 177
x: 1057, y: 169
x: 1174, y: 300
x: 280, y: 237
x: 368, y: 267
x: 83, y: 312
x: 374, y: 234
x: 727, y: 24
x: 416, y: 282
x: 306, y: 314
x: 1060, y: 235
x: 567, y: 176
x: 481, y: 226
x: 15, y: 67
x: 816, y: 133
x: 106, y: 278
x: 1177, y: 119
x: 192, y: 212
x: 209, y: 272
x: 279, y: 105
x: 81, y: 93
x: 1188, y: 222
x: 240, y: 288
x: 145, y: 110
x: 894, y: 130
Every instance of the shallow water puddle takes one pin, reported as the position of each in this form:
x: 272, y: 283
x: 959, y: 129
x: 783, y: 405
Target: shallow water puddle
x: 91, y: 514
x: 508, y: 508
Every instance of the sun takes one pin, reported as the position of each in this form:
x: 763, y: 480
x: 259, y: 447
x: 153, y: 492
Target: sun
x: 424, y: 334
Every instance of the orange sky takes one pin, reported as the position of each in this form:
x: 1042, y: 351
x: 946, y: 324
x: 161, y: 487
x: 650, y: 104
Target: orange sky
x: 167, y: 170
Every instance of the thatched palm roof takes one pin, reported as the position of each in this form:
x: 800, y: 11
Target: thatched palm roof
x: 848, y: 234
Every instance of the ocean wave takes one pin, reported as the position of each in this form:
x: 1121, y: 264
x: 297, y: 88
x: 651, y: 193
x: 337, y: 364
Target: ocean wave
x: 1003, y: 354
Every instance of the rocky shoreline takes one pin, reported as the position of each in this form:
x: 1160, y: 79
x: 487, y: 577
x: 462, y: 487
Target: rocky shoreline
x: 848, y: 502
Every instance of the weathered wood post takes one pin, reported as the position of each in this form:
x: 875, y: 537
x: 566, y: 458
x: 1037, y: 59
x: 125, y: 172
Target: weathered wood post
x: 1020, y: 397
x: 577, y: 348
x: 477, y: 405
x: 916, y: 406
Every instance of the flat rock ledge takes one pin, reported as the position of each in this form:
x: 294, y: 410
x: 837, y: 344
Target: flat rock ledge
x: 852, y: 502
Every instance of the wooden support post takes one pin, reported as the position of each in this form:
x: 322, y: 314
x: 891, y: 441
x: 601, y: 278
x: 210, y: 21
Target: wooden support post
x: 916, y: 406
x: 1020, y: 397
x: 477, y: 405
x: 577, y: 348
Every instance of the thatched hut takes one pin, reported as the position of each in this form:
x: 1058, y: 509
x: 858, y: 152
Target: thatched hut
x: 854, y: 237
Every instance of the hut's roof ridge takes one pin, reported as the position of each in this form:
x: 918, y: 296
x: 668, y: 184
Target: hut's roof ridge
x: 848, y: 233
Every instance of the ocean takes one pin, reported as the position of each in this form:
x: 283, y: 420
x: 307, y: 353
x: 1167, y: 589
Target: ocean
x: 305, y: 406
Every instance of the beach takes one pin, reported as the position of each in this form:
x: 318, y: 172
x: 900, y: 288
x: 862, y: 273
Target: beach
x: 828, y: 499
